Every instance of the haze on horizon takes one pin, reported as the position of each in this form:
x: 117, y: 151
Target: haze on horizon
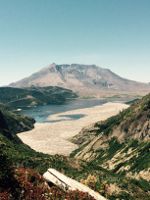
x: 111, y: 34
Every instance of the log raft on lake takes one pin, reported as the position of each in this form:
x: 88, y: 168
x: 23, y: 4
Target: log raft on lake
x: 54, y: 136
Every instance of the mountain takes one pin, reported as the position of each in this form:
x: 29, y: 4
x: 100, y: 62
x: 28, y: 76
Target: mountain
x: 33, y: 96
x: 86, y: 80
x: 121, y: 146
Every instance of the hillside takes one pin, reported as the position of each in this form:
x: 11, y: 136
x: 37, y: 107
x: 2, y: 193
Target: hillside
x: 121, y: 146
x: 133, y: 123
x: 33, y: 96
x: 117, y: 168
x: 86, y: 80
x: 21, y: 168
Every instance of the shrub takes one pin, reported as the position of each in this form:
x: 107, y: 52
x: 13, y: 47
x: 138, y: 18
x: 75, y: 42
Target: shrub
x: 90, y: 181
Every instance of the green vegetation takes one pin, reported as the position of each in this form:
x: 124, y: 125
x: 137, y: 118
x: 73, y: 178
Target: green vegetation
x: 128, y: 119
x: 133, y: 101
x: 112, y: 169
x: 19, y: 153
x: 120, y: 156
x: 20, y: 165
x: 33, y: 96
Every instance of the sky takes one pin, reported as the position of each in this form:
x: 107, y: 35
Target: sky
x: 113, y: 34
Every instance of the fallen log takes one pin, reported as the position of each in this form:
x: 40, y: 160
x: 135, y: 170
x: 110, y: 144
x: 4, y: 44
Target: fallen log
x: 66, y: 183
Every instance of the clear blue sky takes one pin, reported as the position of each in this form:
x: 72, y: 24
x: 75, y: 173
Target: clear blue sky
x: 110, y: 33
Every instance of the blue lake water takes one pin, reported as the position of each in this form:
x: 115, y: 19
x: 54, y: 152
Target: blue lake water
x: 40, y: 113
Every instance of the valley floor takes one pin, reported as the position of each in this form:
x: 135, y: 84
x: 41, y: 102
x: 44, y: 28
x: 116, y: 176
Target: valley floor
x: 53, y: 136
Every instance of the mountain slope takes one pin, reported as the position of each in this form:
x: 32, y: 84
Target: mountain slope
x: 10, y: 123
x: 121, y: 143
x: 21, y: 167
x: 121, y: 146
x: 84, y: 79
x: 19, y: 153
x: 33, y: 96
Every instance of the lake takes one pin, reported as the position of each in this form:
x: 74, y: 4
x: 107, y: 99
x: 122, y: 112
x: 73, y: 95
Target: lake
x: 41, y: 113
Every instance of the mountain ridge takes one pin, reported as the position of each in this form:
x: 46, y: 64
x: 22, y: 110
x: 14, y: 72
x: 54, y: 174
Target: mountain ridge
x: 83, y: 79
x: 34, y: 96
